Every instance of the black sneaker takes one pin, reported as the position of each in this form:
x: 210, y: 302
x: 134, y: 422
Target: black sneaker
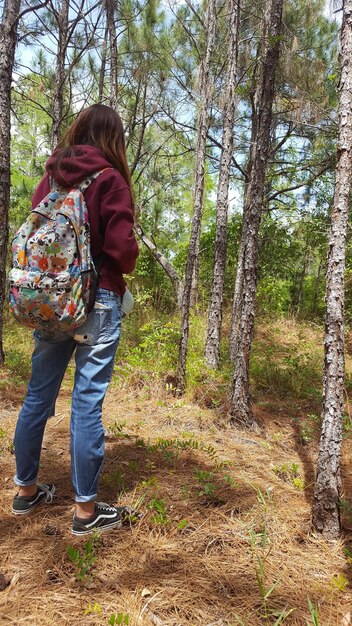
x: 25, y: 504
x: 104, y: 518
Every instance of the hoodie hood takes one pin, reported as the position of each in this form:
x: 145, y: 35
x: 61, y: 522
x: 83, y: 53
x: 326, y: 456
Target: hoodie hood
x: 73, y: 169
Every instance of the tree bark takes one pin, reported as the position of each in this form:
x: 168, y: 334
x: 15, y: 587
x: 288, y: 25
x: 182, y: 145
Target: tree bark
x: 60, y: 74
x: 8, y: 40
x: 297, y: 296
x: 238, y: 291
x: 212, y: 348
x: 237, y: 299
x: 102, y: 67
x: 111, y: 28
x: 195, y: 275
x: 326, y: 515
x: 203, y: 123
x: 241, y: 412
x: 316, y: 287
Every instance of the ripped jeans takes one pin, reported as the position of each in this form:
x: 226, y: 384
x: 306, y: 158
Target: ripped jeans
x: 95, y: 344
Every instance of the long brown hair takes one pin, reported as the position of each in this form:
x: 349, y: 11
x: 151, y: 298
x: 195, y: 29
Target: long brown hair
x: 98, y: 126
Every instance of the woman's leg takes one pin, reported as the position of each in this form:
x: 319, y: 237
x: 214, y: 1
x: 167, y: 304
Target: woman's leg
x: 49, y: 362
x: 97, y: 342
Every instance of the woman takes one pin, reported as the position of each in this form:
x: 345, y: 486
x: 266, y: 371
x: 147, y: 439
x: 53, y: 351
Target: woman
x: 94, y: 142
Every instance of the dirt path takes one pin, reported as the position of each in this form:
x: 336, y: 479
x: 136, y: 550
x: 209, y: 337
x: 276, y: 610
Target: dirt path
x: 222, y: 514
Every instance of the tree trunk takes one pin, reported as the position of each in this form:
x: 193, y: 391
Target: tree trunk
x: 203, y: 123
x: 237, y: 299
x: 300, y: 286
x: 102, y: 67
x: 195, y: 275
x: 8, y: 40
x: 212, y: 348
x: 111, y: 28
x: 297, y: 296
x: 241, y: 412
x: 316, y: 287
x: 60, y: 75
x: 326, y: 517
x: 238, y: 291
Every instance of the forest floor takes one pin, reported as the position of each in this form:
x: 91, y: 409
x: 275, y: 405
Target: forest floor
x: 225, y: 536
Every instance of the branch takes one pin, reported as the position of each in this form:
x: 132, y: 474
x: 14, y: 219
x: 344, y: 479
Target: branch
x: 214, y: 141
x: 163, y: 262
x: 218, y: 144
x: 37, y: 6
x: 305, y: 183
x: 30, y: 33
x: 141, y: 135
x: 37, y: 104
x: 276, y: 148
x: 82, y: 16
x: 190, y: 5
x: 189, y: 33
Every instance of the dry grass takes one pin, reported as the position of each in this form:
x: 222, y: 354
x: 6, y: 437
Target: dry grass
x: 196, y: 563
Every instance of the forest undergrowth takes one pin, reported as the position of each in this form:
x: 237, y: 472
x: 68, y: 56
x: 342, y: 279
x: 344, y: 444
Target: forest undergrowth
x: 225, y: 536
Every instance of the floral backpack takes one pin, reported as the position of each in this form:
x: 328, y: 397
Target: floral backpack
x: 53, y: 279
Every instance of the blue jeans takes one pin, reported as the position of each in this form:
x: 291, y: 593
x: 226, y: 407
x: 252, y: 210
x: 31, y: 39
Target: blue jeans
x: 95, y: 343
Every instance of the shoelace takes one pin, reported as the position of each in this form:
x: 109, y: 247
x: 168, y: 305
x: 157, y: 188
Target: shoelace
x: 49, y: 494
x: 124, y: 511
x: 105, y: 507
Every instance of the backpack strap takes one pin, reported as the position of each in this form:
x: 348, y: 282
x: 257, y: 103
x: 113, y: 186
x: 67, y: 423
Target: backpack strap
x: 88, y: 181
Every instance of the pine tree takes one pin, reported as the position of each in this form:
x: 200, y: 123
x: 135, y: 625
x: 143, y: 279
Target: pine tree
x: 212, y: 349
x: 8, y: 40
x: 193, y: 250
x: 61, y: 15
x: 326, y: 517
x: 110, y: 7
x: 241, y: 412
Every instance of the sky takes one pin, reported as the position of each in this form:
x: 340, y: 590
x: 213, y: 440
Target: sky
x: 328, y: 11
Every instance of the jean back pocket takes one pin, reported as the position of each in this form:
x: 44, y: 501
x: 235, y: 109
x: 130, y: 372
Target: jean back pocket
x: 96, y: 328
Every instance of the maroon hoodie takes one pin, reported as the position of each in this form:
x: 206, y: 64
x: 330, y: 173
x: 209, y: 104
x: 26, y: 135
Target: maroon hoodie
x: 109, y: 206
